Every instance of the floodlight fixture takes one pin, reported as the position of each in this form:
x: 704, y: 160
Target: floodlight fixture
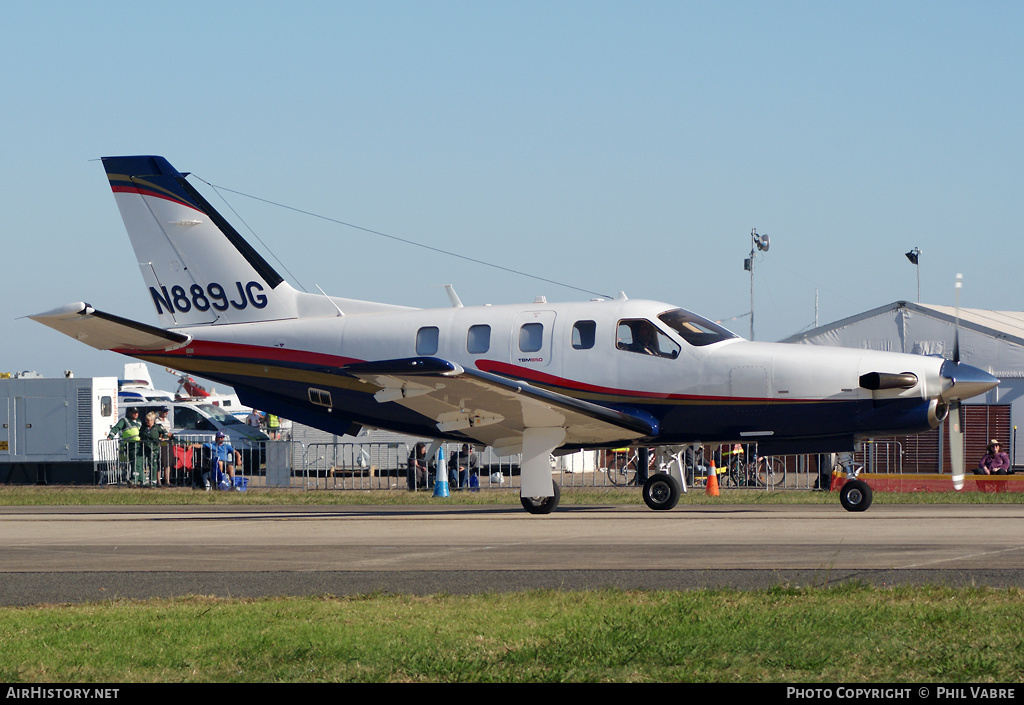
x: 915, y: 259
x: 758, y: 243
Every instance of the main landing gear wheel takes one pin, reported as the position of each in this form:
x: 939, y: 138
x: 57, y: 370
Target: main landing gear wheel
x: 855, y: 496
x: 661, y: 491
x: 542, y: 505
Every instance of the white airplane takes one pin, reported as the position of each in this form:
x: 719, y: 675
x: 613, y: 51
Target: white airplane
x: 539, y: 378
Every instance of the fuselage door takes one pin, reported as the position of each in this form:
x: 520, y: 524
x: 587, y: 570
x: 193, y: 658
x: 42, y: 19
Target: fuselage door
x: 532, y: 338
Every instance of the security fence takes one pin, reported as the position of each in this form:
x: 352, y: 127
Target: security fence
x: 186, y: 461
x: 376, y: 466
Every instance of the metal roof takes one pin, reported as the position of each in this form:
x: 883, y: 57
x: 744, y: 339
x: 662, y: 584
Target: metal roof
x: 999, y: 324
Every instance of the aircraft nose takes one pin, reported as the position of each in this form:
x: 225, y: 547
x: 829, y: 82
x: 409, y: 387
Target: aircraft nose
x: 964, y: 381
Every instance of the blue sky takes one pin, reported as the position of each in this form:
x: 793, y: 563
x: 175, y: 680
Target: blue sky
x: 608, y: 145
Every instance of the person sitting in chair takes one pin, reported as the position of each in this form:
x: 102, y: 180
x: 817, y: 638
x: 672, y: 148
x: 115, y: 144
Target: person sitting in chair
x: 994, y: 462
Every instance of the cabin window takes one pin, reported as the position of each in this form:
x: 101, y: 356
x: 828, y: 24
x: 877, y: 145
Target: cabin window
x: 426, y: 341
x: 639, y: 335
x: 479, y: 340
x: 584, y: 334
x: 106, y: 406
x: 531, y: 337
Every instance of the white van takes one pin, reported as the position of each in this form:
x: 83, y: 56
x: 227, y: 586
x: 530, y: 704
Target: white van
x: 188, y: 418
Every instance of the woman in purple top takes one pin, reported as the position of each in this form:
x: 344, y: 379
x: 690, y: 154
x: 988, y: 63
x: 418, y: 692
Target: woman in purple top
x: 994, y: 462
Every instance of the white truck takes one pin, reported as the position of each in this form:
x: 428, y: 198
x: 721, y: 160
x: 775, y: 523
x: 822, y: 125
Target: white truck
x: 54, y: 430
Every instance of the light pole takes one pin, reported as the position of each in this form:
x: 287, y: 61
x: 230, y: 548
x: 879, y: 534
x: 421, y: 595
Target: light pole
x: 915, y: 256
x: 757, y: 243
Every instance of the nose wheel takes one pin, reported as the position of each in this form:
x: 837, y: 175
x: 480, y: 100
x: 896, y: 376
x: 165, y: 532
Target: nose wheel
x: 855, y: 496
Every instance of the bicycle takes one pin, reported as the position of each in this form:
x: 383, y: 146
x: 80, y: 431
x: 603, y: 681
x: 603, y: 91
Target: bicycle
x: 765, y: 471
x: 770, y: 471
x: 622, y: 470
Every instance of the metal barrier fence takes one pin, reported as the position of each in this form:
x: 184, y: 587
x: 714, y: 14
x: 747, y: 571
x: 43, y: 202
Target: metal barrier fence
x: 377, y: 466
x: 385, y: 466
x: 185, y: 460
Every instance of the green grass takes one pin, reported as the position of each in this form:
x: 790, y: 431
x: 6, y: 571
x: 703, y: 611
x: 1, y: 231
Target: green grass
x: 22, y: 495
x: 844, y: 634
x: 848, y: 633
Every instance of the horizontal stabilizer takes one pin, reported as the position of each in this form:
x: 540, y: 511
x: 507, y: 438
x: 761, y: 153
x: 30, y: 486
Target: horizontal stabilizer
x: 105, y: 331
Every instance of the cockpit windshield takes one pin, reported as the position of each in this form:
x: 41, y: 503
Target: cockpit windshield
x: 695, y: 330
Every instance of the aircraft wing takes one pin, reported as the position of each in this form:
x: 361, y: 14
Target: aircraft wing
x: 105, y: 331
x: 491, y: 409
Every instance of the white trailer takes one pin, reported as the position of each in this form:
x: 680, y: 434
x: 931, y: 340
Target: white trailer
x: 52, y: 430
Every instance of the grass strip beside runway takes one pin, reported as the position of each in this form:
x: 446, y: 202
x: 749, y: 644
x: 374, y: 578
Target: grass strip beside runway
x: 849, y: 634
x: 70, y: 495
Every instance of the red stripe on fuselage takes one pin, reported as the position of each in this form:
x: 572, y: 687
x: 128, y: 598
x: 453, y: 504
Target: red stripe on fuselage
x: 240, y: 352
x: 515, y: 372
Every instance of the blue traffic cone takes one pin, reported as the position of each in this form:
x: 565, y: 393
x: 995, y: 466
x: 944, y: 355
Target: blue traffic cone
x: 441, y: 475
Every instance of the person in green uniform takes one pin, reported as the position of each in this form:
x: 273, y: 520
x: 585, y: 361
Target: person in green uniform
x: 150, y: 436
x: 128, y: 429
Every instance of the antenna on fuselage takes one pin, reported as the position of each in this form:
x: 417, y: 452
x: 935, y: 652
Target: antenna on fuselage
x: 452, y: 296
x: 340, y: 312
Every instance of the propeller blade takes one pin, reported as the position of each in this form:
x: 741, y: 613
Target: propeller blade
x: 956, y: 330
x: 956, y: 444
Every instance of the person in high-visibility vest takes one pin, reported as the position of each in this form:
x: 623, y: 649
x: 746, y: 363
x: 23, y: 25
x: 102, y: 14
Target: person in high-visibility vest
x: 128, y: 429
x: 273, y: 426
x: 731, y: 458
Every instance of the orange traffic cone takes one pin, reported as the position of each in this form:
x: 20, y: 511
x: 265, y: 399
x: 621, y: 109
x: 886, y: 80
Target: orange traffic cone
x: 711, y: 486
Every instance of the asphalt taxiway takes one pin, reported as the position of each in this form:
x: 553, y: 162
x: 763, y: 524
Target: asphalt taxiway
x: 72, y: 554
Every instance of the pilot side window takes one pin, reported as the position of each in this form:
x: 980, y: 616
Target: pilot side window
x: 478, y: 341
x: 641, y: 336
x: 531, y: 337
x: 583, y: 335
x: 426, y: 340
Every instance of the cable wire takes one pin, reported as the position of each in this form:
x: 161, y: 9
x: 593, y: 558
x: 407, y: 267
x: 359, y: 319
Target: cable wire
x: 395, y: 238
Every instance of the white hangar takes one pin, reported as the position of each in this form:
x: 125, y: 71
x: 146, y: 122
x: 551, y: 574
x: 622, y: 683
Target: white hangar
x: 989, y: 340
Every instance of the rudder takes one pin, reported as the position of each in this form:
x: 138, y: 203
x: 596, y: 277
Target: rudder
x: 199, y: 270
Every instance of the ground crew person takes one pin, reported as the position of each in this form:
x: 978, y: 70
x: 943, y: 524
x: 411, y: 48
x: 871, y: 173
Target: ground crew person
x: 273, y: 426
x: 129, y: 428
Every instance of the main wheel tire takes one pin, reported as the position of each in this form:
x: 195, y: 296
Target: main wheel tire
x: 662, y: 491
x: 855, y: 496
x: 542, y: 505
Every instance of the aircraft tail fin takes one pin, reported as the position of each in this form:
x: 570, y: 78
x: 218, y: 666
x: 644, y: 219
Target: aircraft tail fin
x: 199, y: 270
